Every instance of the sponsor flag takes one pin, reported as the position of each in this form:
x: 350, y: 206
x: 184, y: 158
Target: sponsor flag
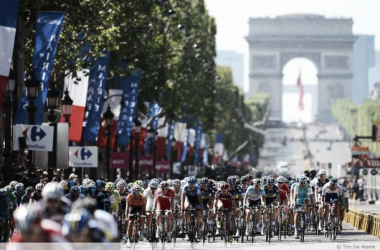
x: 300, y: 86
x: 205, y: 149
x: 84, y: 157
x: 95, y: 97
x: 48, y: 29
x: 8, y: 23
x: 185, y: 145
x: 130, y: 86
x: 77, y: 88
x: 170, y: 139
x: 218, y: 148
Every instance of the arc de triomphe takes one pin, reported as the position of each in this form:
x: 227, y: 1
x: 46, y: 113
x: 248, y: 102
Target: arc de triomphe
x: 326, y: 42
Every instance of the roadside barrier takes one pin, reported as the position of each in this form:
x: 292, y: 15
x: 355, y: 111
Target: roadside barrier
x: 367, y: 222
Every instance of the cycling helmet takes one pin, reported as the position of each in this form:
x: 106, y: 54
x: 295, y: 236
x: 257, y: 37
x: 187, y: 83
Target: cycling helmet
x: 146, y: 181
x: 333, y: 180
x: 75, y: 222
x: 3, y: 193
x: 322, y: 172
x: 183, y: 183
x: 52, y: 190
x: 139, y: 182
x: 170, y: 182
x: 164, y: 184
x: 29, y: 190
x: 271, y: 180
x: 176, y: 183
x: 289, y: 178
x: 75, y: 190
x: 100, y: 183
x: 159, y: 179
x: 110, y: 186
x: 204, y: 181
x: 13, y: 184
x: 264, y: 178
x: 39, y: 186
x: 130, y: 185
x: 249, y: 176
x: 257, y: 182
x: 64, y: 185
x: 192, y: 180
x: 117, y: 180
x: 154, y: 179
x: 153, y: 184
x: 225, y: 186
x: 302, y: 179
x: 83, y: 190
x: 136, y: 189
x: 244, y: 179
x: 121, y: 184
x: 19, y: 186
x: 232, y: 180
x: 9, y: 190
x: 28, y: 218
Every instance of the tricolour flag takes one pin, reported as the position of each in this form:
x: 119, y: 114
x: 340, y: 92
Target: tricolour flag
x: 77, y: 88
x: 8, y: 23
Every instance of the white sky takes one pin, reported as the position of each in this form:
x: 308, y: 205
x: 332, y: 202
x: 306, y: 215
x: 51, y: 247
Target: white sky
x: 232, y: 22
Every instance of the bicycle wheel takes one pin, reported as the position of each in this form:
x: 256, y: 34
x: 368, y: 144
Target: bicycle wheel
x: 243, y: 226
x: 174, y: 230
x: 279, y: 226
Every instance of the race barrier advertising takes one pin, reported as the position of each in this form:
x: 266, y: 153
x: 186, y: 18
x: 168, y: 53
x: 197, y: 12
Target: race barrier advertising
x: 367, y: 222
x: 84, y: 157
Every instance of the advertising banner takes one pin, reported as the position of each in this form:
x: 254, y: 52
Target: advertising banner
x: 163, y: 167
x: 38, y: 138
x: 83, y: 157
x: 119, y: 160
x: 145, y: 162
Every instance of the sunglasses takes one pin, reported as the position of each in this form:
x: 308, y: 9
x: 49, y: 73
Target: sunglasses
x: 303, y: 182
x: 52, y: 200
x: 75, y: 196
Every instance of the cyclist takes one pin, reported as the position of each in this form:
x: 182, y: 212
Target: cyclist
x: 244, y: 184
x: 146, y: 183
x: 75, y: 226
x: 225, y: 200
x: 343, y: 203
x: 191, y: 198
x: 318, y: 184
x: 74, y: 194
x: 149, y: 195
x: 121, y: 188
x: 25, y: 199
x: 177, y: 201
x: 331, y: 192
x: 207, y: 195
x: 302, y: 195
x: 5, y: 201
x: 164, y: 197
x: 254, y: 197
x: 54, y: 204
x: 236, y: 192
x: 36, y: 196
x: 284, y: 194
x: 114, y: 197
x: 135, y: 205
x: 271, y: 198
x: 19, y: 192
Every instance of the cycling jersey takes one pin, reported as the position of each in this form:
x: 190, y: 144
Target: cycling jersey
x: 254, y: 195
x: 115, y: 200
x: 163, y: 199
x: 136, y: 201
x: 18, y: 196
x: 149, y: 199
x: 123, y: 199
x: 302, y: 193
x: 318, y: 185
x: 192, y: 196
x: 207, y: 193
x: 284, y: 192
x: 244, y: 189
x: 330, y: 194
x: 24, y: 199
x: 270, y: 193
x: 4, y: 209
x: 343, y: 196
x: 177, y: 197
x: 226, y: 199
x: 236, y: 192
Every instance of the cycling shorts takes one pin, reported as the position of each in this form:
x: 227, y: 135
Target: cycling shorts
x: 136, y: 210
x: 269, y: 201
x: 256, y: 203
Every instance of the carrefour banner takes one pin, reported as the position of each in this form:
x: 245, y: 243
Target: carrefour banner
x: 48, y: 29
x: 197, y: 143
x: 130, y: 86
x: 37, y: 138
x: 95, y: 97
x: 83, y: 157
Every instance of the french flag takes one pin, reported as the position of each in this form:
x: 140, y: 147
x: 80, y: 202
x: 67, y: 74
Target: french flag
x: 8, y: 24
x: 180, y: 135
x: 77, y: 88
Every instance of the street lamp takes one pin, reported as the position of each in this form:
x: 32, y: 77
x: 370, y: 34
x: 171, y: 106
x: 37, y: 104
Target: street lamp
x: 108, y: 117
x: 52, y: 100
x: 137, y: 129
x: 66, y: 106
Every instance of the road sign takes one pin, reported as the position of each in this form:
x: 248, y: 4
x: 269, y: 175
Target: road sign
x: 373, y: 172
x: 365, y: 171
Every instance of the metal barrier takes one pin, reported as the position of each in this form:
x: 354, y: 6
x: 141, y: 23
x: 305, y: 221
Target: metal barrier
x: 367, y: 222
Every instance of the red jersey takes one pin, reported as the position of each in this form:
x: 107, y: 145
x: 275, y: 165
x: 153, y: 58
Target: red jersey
x: 226, y: 199
x: 284, y: 192
x: 163, y: 200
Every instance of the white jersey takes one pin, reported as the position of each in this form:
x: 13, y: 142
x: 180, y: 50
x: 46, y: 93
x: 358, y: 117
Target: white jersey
x: 149, y: 199
x: 330, y: 194
x: 177, y: 197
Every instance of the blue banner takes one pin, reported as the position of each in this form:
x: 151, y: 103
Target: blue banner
x: 153, y: 110
x: 95, y: 97
x: 170, y: 139
x: 130, y: 86
x: 197, y: 143
x: 185, y: 146
x: 48, y: 29
x: 205, y: 153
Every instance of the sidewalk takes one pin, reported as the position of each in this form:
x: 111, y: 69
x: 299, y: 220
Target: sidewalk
x: 365, y: 206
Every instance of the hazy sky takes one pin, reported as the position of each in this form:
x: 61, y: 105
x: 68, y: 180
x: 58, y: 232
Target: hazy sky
x: 232, y: 21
